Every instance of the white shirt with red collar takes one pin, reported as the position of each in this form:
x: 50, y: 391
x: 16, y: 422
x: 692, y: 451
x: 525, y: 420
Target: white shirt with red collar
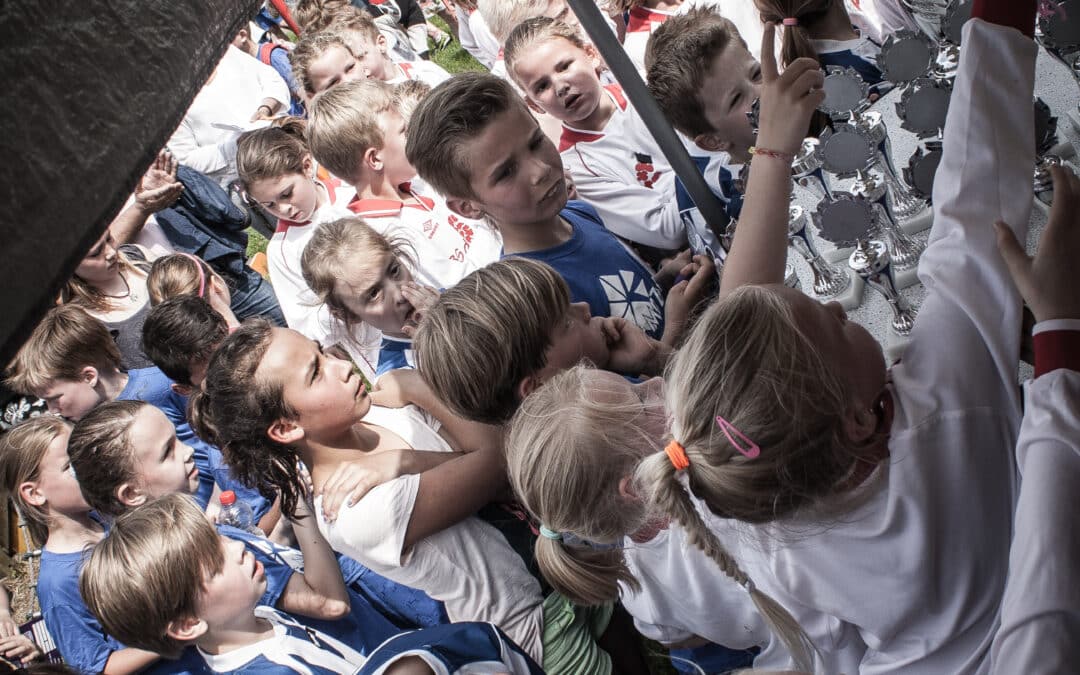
x: 447, y: 246
x: 623, y: 174
x: 427, y: 72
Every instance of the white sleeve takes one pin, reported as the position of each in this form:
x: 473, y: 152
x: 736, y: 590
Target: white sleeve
x: 485, y: 41
x: 1040, y: 611
x: 644, y: 215
x: 372, y: 531
x: 206, y: 159
x: 965, y: 345
x: 271, y: 85
x: 418, y: 37
x: 466, y: 38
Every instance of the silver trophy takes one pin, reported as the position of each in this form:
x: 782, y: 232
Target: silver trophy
x: 1044, y: 182
x: 923, y: 106
x: 1058, y: 31
x: 922, y: 168
x: 905, y: 250
x: 903, y: 202
x: 906, y: 56
x: 845, y: 93
x: 848, y: 220
x: 943, y: 21
x: 808, y: 172
x: 791, y: 279
x: 829, y: 280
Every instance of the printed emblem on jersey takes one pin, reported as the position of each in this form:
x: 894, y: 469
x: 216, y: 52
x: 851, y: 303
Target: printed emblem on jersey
x: 645, y: 172
x: 462, y: 229
x: 430, y: 226
x: 629, y: 297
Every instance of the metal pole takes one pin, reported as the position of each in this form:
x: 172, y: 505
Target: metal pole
x: 592, y: 20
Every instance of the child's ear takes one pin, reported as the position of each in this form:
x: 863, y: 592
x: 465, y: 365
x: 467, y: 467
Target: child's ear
x: 30, y: 493
x: 373, y: 159
x: 380, y: 42
x: 285, y: 432
x: 466, y: 208
x: 186, y: 629
x: 712, y: 143
x: 309, y: 166
x: 626, y: 489
x: 182, y: 389
x: 130, y: 494
x: 528, y: 385
x: 89, y: 375
x: 859, y: 424
x: 534, y: 106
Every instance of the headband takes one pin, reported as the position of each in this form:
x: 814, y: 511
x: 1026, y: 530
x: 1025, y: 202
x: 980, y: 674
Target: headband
x: 202, y: 274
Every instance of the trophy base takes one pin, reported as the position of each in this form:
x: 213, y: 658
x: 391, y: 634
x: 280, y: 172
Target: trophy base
x: 850, y: 297
x: 902, y: 278
x: 919, y: 222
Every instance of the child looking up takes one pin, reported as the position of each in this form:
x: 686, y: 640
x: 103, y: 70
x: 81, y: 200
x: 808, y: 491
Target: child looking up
x: 357, y: 132
x: 364, y: 277
x: 901, y: 482
x: 36, y: 475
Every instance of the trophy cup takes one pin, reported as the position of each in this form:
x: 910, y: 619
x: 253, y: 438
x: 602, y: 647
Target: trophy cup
x: 1044, y: 182
x: 1058, y: 31
x: 943, y: 21
x: 849, y: 220
x: 807, y: 170
x: 845, y: 93
x: 922, y: 168
x: 906, y: 56
x: 905, y: 250
x: 903, y: 202
x: 829, y: 280
x: 923, y: 106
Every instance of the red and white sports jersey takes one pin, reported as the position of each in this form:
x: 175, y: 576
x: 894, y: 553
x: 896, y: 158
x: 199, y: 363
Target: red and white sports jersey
x: 640, y: 24
x: 447, y: 246
x: 623, y: 174
x: 427, y: 72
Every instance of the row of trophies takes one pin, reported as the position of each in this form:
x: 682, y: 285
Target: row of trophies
x: 868, y: 217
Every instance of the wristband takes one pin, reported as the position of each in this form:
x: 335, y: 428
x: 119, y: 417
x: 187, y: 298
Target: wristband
x: 775, y: 154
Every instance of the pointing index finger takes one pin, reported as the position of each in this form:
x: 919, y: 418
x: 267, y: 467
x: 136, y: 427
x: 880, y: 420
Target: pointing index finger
x: 769, y: 71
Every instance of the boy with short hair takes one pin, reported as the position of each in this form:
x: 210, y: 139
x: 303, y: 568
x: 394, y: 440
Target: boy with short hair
x: 515, y: 316
x: 356, y: 131
x: 473, y: 140
x: 179, y: 336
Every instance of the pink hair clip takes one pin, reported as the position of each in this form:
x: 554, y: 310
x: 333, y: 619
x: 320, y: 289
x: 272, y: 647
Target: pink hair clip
x: 791, y: 21
x: 202, y: 274
x: 747, y: 448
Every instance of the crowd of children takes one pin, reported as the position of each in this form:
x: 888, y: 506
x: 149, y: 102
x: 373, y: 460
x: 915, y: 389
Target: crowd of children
x: 503, y: 406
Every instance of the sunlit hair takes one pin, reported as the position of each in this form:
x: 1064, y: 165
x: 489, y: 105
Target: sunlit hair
x: 103, y: 456
x: 532, y: 31
x: 235, y: 408
x: 311, y: 48
x: 315, y: 15
x: 181, y: 332
x: 78, y: 292
x: 408, y: 94
x: 502, y: 316
x: 679, y: 57
x: 502, y: 16
x: 21, y: 451
x: 178, y: 274
x: 271, y: 152
x: 569, y: 446
x: 454, y: 113
x: 343, y: 122
x: 150, y: 570
x: 67, y: 340
x: 342, y: 245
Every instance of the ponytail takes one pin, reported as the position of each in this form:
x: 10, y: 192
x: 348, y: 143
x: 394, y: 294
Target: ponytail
x: 585, y: 574
x: 796, y: 16
x: 658, y: 477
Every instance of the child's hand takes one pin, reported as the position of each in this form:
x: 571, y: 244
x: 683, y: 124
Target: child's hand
x: 19, y: 648
x: 158, y: 188
x: 392, y: 388
x: 422, y: 298
x: 685, y: 296
x: 630, y: 350
x: 671, y: 268
x: 787, y: 100
x: 352, y: 480
x: 8, y: 627
x: 1047, y: 282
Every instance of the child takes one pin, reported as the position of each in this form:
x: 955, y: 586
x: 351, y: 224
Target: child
x: 117, y: 450
x: 475, y: 142
x: 364, y: 277
x: 36, y: 474
x: 277, y: 171
x: 179, y: 336
x: 357, y: 132
x: 901, y: 483
x: 474, y: 34
x: 416, y: 529
x: 824, y: 29
x: 274, y: 55
x: 407, y: 95
x: 185, y: 274
x: 168, y: 588
x: 516, y: 317
x: 614, y: 161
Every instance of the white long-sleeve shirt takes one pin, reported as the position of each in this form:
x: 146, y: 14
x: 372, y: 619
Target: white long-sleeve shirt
x: 919, y: 568
x: 233, y: 94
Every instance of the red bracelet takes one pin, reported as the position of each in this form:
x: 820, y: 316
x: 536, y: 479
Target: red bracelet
x: 775, y: 154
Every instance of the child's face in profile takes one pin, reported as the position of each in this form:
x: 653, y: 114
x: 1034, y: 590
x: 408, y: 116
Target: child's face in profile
x: 235, y: 590
x: 102, y: 262
x: 71, y: 399
x: 334, y: 66
x: 560, y: 78
x: 728, y: 91
x: 395, y: 164
x: 515, y: 172
x: 163, y: 465
x: 371, y: 55
x: 56, y: 482
x: 372, y: 292
x: 578, y: 335
x: 293, y: 196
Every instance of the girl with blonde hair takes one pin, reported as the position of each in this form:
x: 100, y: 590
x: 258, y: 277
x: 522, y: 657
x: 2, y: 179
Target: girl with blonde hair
x: 180, y: 274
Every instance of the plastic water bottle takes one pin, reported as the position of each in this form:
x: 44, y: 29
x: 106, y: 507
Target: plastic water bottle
x: 237, y: 514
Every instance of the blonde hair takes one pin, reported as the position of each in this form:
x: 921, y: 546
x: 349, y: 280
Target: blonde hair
x: 312, y: 46
x: 315, y: 15
x: 501, y: 315
x: 271, y: 152
x: 178, y: 274
x: 566, y: 452
x: 103, y: 456
x: 150, y: 570
x: 21, y: 451
x: 343, y: 122
x: 534, y: 30
x: 502, y: 16
x: 408, y: 94
x: 340, y: 245
x: 67, y: 340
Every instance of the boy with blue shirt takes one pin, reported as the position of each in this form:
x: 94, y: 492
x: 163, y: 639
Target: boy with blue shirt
x: 473, y: 139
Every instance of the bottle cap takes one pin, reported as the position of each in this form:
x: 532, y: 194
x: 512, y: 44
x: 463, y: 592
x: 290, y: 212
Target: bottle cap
x: 228, y: 497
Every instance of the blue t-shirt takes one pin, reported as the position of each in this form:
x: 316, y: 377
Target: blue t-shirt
x: 450, y: 648
x: 602, y: 271
x: 81, y: 640
x: 407, y: 608
x: 395, y: 353
x: 152, y: 386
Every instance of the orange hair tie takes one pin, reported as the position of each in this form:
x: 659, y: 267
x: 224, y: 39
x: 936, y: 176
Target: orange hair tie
x: 677, y: 454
